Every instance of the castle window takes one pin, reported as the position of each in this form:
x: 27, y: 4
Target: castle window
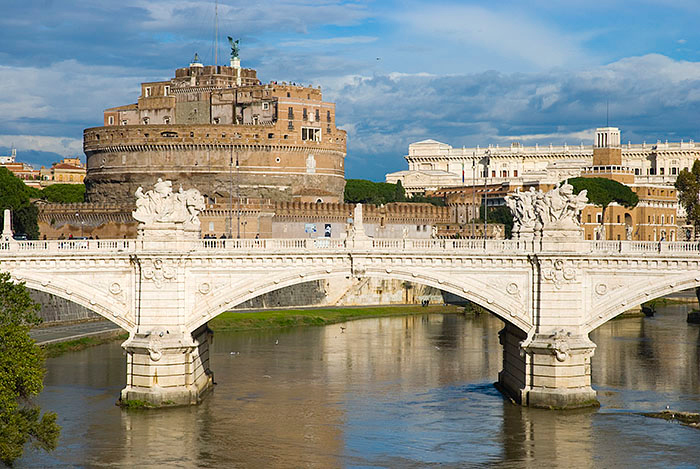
x: 265, y: 106
x: 125, y: 122
x: 328, y: 116
x: 145, y: 120
x: 318, y: 115
x: 166, y: 119
x: 147, y: 91
x: 277, y: 160
x: 288, y: 95
x: 308, y: 133
x: 290, y: 113
x: 217, y: 120
x: 110, y: 120
x: 305, y: 115
x: 285, y: 136
x: 618, y: 218
x: 270, y: 135
x: 290, y: 126
x: 166, y: 90
x: 328, y: 129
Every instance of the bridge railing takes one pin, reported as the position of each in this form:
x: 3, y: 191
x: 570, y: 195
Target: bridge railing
x: 70, y: 245
x: 646, y: 246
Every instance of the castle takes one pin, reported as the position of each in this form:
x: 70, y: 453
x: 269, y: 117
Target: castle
x: 222, y: 131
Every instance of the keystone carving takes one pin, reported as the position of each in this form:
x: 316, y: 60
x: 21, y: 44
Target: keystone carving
x: 159, y: 273
x: 560, y: 345
x: 559, y: 273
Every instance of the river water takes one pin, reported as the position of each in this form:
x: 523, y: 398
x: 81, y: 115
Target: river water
x: 394, y: 392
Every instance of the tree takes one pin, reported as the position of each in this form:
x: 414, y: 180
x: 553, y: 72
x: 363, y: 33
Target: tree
x: 64, y: 193
x: 688, y: 186
x: 500, y: 214
x: 603, y: 192
x: 14, y: 194
x: 21, y: 376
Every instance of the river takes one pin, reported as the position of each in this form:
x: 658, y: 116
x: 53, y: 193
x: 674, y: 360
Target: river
x: 403, y: 392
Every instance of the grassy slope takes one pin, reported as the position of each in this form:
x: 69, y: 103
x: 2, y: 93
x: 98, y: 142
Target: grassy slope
x: 235, y: 321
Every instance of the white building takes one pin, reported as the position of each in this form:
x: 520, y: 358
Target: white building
x: 9, y: 158
x: 432, y: 164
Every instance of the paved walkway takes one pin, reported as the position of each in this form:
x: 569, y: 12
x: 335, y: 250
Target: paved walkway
x: 64, y: 333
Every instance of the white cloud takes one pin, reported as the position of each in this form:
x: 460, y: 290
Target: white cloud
x: 346, y: 40
x: 510, y: 34
x: 62, y: 145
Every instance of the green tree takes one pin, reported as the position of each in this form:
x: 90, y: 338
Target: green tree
x: 603, y: 192
x: 688, y: 186
x: 369, y: 192
x: 499, y: 214
x: 64, y: 193
x: 14, y: 194
x: 21, y: 376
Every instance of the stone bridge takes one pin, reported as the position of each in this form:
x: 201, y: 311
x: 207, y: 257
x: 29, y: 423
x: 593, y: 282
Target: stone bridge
x: 164, y: 287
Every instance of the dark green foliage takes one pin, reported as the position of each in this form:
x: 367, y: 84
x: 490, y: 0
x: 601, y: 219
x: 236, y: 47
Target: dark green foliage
x: 688, y: 186
x: 603, y: 191
x: 21, y: 376
x: 64, y: 193
x: 14, y: 194
x: 369, y: 192
x: 421, y: 199
x: 501, y: 215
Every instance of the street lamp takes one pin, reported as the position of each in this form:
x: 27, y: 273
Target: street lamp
x: 486, y: 175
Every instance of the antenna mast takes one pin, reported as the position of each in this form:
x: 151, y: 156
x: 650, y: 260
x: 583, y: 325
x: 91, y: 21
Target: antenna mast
x: 216, y: 33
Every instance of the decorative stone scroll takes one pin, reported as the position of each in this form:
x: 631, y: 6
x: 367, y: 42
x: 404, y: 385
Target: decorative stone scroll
x: 161, y: 209
x: 556, y: 212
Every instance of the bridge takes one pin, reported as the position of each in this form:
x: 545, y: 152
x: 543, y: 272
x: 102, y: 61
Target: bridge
x: 163, y: 288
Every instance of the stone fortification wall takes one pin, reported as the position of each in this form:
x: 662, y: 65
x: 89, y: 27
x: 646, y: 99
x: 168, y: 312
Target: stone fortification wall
x: 57, y: 310
x: 106, y: 221
x: 271, y: 163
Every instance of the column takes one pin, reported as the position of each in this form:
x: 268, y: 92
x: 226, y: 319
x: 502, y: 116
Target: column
x: 548, y: 371
x: 167, y: 368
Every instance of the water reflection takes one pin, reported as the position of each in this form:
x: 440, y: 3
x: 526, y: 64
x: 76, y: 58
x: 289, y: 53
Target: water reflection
x: 394, y: 392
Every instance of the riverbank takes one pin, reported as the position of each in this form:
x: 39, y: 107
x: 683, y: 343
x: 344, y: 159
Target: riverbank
x: 244, y: 321
x: 278, y: 319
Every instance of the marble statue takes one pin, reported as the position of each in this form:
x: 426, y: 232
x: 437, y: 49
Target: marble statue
x: 161, y: 205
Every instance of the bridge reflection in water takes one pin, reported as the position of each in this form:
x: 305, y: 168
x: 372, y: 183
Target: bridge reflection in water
x: 393, y: 392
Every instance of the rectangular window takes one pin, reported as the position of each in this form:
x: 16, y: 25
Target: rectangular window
x: 305, y: 115
x: 493, y: 174
x: 291, y: 125
x: 598, y: 217
x: 589, y: 218
x: 515, y: 173
x: 636, y: 171
x: 110, y: 119
x: 309, y: 133
x: 674, y: 171
x: 652, y: 171
x: 618, y: 218
x: 166, y: 90
x: 328, y: 116
x: 265, y: 106
x: 662, y: 171
x: 318, y: 115
x: 290, y: 113
x: 147, y: 92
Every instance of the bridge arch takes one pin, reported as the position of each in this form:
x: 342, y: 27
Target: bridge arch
x: 80, y: 294
x: 471, y: 288
x: 633, y: 295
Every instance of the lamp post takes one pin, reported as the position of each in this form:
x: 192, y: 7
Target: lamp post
x: 486, y: 206
x: 230, y: 194
x: 473, y: 234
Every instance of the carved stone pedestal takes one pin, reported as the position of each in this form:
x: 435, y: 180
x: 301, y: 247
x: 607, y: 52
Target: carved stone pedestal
x: 551, y: 371
x: 168, y: 368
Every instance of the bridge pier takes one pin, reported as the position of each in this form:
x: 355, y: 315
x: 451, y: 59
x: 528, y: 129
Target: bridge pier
x: 548, y: 371
x: 168, y: 368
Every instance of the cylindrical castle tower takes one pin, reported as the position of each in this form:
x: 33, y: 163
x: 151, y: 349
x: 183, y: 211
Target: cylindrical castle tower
x: 203, y: 129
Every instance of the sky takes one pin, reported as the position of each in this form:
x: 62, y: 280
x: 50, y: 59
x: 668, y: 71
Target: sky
x: 465, y: 73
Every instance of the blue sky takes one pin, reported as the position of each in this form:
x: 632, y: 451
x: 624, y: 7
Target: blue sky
x: 465, y: 73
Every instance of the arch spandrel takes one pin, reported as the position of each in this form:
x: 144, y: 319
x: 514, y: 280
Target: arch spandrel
x: 508, y: 300
x: 612, y: 297
x: 100, y: 296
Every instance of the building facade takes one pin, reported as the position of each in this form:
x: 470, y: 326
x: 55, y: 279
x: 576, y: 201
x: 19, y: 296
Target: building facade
x: 433, y: 165
x: 222, y: 131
